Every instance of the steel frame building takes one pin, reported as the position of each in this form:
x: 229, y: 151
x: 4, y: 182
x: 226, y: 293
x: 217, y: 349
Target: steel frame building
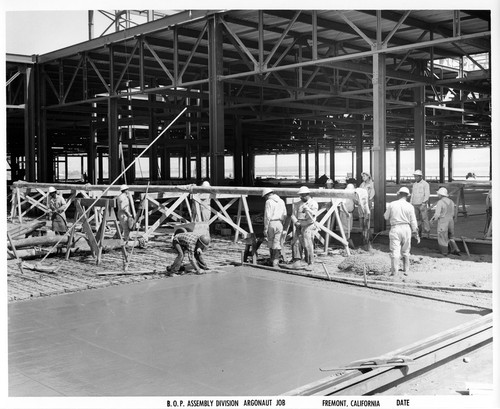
x: 255, y: 82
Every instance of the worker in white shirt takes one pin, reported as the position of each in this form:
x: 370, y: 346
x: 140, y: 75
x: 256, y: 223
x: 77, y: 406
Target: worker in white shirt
x: 445, y: 211
x: 420, y: 194
x: 401, y: 216
x: 125, y: 211
x: 346, y: 208
x: 274, y: 216
x: 305, y: 220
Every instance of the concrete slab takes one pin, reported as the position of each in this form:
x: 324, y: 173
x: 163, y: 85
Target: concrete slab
x: 240, y: 332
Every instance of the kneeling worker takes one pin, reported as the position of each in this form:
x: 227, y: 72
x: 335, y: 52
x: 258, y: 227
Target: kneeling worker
x: 193, y: 245
x: 401, y: 216
x: 274, y: 216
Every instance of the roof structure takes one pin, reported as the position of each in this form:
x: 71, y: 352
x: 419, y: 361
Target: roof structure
x: 257, y: 82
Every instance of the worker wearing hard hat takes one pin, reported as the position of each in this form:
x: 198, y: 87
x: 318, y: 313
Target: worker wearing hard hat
x: 368, y: 185
x: 444, y: 213
x: 193, y: 245
x: 57, y: 207
x: 274, y: 216
x: 305, y: 220
x: 401, y: 216
x: 125, y: 206
x: 420, y: 194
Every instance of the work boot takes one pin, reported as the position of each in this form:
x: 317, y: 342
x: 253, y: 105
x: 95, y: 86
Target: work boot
x: 275, y: 257
x: 443, y: 250
x: 406, y: 264
x: 454, y: 248
x: 394, y: 266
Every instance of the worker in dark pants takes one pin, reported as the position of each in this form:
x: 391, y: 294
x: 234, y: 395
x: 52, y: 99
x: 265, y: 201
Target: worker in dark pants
x: 57, y: 207
x: 193, y: 245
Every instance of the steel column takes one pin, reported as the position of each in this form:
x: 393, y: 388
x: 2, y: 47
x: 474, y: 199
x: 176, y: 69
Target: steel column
x: 398, y: 161
x: 332, y: 159
x: 238, y: 179
x: 441, y: 158
x: 29, y: 124
x: 419, y: 126
x: 379, y: 131
x: 44, y: 164
x: 316, y: 161
x: 359, y: 153
x: 113, y: 151
x: 216, y: 101
x: 152, y: 134
x: 450, y: 162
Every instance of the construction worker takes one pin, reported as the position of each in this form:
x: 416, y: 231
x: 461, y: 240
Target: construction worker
x: 401, y: 216
x: 420, y: 194
x: 368, y: 185
x: 444, y: 213
x: 305, y: 220
x: 346, y: 214
x: 329, y: 183
x: 204, y: 199
x: 193, y: 245
x: 274, y: 216
x: 57, y: 207
x: 125, y: 211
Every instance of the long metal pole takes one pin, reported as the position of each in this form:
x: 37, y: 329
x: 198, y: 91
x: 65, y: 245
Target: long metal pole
x: 114, y: 181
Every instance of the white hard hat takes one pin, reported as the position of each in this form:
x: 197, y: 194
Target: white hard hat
x: 304, y: 190
x: 52, y: 189
x: 205, y: 183
x: 329, y: 181
x: 123, y: 187
x: 404, y: 189
x: 418, y: 172
x: 366, y: 173
x: 442, y: 191
x: 266, y: 191
x: 350, y: 186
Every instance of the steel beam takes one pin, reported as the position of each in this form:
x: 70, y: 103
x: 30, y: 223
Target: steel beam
x: 419, y: 128
x: 29, y: 124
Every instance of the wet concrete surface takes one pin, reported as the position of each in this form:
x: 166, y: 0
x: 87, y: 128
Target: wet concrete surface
x: 239, y: 332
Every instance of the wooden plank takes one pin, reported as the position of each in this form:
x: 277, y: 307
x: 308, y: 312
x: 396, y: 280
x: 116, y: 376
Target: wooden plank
x: 102, y: 202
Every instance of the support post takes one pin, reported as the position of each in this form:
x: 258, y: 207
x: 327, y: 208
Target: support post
x: 450, y: 162
x: 238, y: 177
x: 359, y: 153
x: 29, y: 125
x: 216, y: 101
x: 379, y: 130
x: 332, y: 159
x: 398, y: 161
x: 441, y: 158
x: 419, y: 126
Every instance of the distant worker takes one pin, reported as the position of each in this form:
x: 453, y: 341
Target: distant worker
x: 346, y: 214
x: 401, y: 216
x: 193, y: 245
x: 57, y: 207
x: 445, y: 211
x: 368, y: 185
x: 204, y: 202
x: 420, y: 194
x: 489, y: 209
x: 125, y: 206
x: 305, y: 221
x: 329, y: 184
x: 274, y: 216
